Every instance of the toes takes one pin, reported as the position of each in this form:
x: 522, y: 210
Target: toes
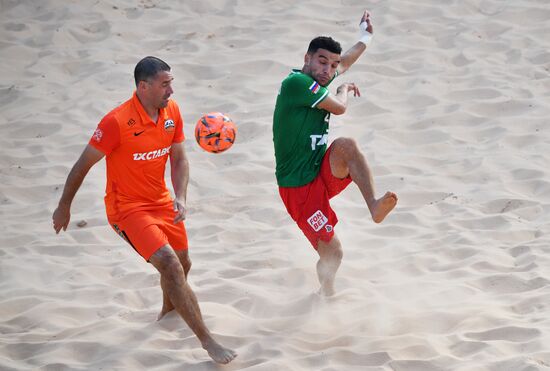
x: 390, y: 196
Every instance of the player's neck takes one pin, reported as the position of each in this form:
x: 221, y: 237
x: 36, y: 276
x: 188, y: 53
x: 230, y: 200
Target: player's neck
x: 153, y: 113
x: 151, y: 110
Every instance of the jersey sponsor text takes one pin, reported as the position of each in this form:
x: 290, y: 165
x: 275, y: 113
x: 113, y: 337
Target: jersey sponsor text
x: 318, y: 140
x: 145, y: 156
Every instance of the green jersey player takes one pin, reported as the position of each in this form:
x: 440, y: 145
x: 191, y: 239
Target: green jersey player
x: 308, y: 173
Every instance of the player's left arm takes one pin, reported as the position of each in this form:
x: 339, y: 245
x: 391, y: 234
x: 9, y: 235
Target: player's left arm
x: 351, y: 56
x: 338, y: 104
x: 179, y: 173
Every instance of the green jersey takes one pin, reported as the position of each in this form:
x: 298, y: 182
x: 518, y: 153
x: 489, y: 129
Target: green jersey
x: 300, y: 130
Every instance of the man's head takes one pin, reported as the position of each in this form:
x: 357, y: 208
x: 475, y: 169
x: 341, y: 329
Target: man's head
x: 322, y: 59
x: 153, y: 82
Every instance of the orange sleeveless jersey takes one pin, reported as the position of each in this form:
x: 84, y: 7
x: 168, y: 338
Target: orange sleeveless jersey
x: 136, y: 152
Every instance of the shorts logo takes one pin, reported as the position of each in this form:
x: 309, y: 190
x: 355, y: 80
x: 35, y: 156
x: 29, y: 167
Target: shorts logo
x: 97, y: 135
x: 131, y: 122
x: 329, y: 228
x: 168, y: 124
x: 317, y: 220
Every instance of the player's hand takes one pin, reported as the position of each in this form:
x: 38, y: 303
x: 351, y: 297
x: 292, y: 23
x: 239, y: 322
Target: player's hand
x: 365, y: 25
x: 61, y: 217
x: 180, y: 209
x: 349, y: 87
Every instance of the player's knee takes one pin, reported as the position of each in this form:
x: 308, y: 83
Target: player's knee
x: 172, y: 268
x: 348, y: 146
x: 184, y: 259
x: 186, y: 264
x: 333, y: 251
x: 336, y: 248
x: 337, y: 253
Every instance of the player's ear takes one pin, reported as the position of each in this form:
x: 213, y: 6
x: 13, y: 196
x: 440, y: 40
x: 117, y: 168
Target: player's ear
x: 142, y: 85
x: 307, y: 58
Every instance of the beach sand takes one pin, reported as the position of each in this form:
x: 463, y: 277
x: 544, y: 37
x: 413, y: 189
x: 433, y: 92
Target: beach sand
x: 453, y: 117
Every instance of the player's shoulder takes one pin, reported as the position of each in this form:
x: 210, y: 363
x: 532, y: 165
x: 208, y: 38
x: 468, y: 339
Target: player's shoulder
x: 173, y: 106
x: 125, y: 115
x: 122, y: 114
x: 297, y: 76
x: 297, y: 81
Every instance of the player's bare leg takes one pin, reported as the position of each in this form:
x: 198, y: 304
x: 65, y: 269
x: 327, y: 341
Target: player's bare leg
x: 330, y: 257
x: 167, y: 305
x: 346, y: 158
x: 180, y: 294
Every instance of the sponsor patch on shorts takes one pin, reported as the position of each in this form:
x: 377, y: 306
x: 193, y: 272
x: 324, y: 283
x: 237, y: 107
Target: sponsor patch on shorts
x: 317, y: 220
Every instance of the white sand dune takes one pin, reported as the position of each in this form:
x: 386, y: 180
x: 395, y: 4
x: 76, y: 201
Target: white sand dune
x: 453, y: 118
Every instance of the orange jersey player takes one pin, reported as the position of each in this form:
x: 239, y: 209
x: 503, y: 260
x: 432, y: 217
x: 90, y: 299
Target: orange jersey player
x: 137, y: 139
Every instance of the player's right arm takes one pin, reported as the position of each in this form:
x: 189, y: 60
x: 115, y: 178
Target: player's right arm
x: 351, y: 56
x: 62, y: 215
x: 338, y: 104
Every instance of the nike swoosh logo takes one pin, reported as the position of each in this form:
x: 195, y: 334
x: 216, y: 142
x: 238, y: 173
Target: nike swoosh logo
x: 136, y: 134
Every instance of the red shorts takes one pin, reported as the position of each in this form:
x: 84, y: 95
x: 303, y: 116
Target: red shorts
x: 147, y: 231
x: 309, y: 204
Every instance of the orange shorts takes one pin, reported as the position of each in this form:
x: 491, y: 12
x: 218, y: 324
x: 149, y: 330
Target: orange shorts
x: 147, y: 231
x: 309, y: 205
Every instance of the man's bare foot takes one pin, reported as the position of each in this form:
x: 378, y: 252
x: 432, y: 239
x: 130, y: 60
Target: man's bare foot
x: 165, y: 309
x: 218, y: 353
x: 383, y: 206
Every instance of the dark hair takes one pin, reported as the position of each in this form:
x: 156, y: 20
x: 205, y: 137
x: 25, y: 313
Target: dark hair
x: 324, y: 42
x: 148, y: 67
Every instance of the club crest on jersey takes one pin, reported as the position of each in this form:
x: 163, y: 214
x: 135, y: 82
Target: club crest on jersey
x: 317, y: 220
x: 98, y: 134
x: 314, y: 87
x: 169, y: 124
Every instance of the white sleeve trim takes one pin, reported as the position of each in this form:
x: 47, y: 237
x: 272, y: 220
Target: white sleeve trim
x: 320, y: 99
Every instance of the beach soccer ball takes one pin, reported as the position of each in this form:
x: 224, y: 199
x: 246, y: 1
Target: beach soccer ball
x: 215, y: 132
